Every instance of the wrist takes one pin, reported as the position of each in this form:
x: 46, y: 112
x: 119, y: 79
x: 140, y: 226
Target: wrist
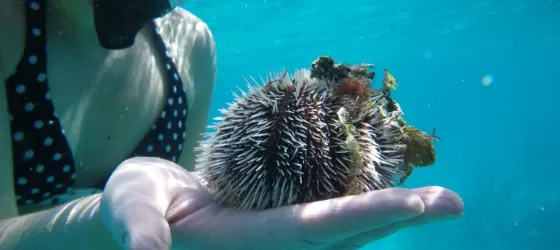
x: 74, y: 225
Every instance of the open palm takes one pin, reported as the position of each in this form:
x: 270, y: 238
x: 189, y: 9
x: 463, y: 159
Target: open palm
x: 154, y: 204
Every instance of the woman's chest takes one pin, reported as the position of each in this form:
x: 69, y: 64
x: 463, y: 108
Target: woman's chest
x: 105, y: 101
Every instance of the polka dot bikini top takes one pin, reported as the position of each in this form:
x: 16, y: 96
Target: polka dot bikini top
x: 43, y: 163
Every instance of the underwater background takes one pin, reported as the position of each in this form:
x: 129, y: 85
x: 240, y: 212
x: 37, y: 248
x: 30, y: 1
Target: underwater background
x: 484, y: 73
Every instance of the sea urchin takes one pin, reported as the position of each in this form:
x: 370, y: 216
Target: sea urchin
x: 314, y: 135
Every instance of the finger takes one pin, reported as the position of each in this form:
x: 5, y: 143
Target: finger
x: 186, y: 202
x: 134, y: 203
x: 326, y: 222
x: 316, y: 224
x: 439, y: 204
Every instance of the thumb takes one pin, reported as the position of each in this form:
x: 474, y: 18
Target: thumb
x: 134, y: 203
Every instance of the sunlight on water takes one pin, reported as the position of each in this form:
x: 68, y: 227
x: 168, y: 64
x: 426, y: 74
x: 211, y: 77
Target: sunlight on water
x: 487, y: 80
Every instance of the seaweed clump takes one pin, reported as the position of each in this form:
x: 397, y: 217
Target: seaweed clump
x: 352, y: 83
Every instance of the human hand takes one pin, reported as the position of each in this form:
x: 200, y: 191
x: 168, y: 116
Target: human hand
x: 148, y: 200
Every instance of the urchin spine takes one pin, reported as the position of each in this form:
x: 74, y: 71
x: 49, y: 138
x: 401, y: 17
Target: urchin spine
x: 296, y: 139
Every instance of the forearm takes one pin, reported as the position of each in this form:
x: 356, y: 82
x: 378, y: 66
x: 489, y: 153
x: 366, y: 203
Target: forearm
x: 75, y: 225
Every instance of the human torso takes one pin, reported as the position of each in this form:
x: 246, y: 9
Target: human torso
x: 106, y: 101
x: 101, y: 112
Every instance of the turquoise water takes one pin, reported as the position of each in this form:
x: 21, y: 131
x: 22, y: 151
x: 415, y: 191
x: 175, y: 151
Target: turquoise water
x: 499, y: 142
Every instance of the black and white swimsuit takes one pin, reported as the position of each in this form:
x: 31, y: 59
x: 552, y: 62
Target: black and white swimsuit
x: 44, y: 169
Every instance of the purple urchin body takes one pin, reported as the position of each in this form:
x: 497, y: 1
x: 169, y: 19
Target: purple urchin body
x: 296, y: 139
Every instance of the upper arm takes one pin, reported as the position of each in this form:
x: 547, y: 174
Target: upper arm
x: 12, y: 33
x: 192, y: 46
x: 8, y: 206
x: 11, y: 48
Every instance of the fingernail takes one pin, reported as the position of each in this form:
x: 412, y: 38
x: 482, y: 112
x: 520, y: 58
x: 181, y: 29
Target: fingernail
x: 415, y: 204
